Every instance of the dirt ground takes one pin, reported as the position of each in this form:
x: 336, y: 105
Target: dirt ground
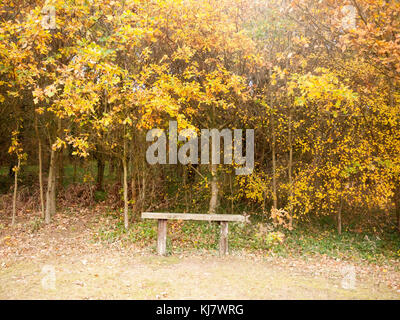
x: 62, y: 261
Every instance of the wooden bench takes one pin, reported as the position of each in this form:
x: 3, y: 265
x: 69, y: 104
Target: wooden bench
x: 223, y: 219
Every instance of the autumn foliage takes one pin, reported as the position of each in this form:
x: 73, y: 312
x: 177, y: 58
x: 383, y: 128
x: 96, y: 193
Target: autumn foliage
x: 322, y: 95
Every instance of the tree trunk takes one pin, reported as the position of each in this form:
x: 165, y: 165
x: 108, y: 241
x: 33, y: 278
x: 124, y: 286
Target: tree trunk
x: 397, y: 205
x: 339, y: 216
x: 274, y: 193
x: 214, y: 189
x: 133, y: 194
x: 51, y: 188
x: 143, y: 190
x: 290, y: 171
x: 231, y: 189
x: 125, y: 183
x: 40, y: 169
x: 185, y: 188
x: 14, y: 210
x: 100, y: 173
x: 397, y: 191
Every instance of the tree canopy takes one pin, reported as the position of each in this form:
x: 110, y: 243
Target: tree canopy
x: 319, y: 81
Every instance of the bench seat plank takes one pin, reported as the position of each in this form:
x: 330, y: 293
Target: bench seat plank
x: 194, y: 216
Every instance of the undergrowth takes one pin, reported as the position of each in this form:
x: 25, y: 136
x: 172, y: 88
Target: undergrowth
x: 260, y: 237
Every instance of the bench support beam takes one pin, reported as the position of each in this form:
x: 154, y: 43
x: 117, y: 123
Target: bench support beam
x: 162, y: 237
x: 223, y: 240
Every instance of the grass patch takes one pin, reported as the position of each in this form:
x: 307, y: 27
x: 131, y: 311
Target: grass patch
x: 303, y: 241
x: 348, y: 245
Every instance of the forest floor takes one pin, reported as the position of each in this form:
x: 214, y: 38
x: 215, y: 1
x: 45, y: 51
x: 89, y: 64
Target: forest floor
x: 84, y: 268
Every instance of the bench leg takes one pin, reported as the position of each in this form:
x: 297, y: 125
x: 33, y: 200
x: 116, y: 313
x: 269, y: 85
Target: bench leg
x: 162, y: 237
x: 223, y: 241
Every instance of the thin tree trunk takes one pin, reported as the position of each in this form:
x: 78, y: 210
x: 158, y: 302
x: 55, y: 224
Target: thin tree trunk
x: 133, y: 193
x: 214, y: 189
x: 143, y: 194
x: 40, y: 169
x: 125, y: 183
x: 185, y: 187
x: 51, y: 188
x: 274, y: 193
x: 14, y: 210
x: 100, y: 173
x: 339, y: 216
x: 290, y: 171
x: 139, y: 192
x: 397, y: 191
x: 231, y: 187
x: 133, y: 184
x: 397, y: 204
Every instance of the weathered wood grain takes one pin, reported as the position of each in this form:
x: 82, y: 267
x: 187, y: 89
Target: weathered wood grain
x: 194, y: 216
x: 162, y: 237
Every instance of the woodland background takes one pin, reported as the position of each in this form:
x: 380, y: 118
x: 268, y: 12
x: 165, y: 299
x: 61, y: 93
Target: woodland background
x: 317, y: 80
